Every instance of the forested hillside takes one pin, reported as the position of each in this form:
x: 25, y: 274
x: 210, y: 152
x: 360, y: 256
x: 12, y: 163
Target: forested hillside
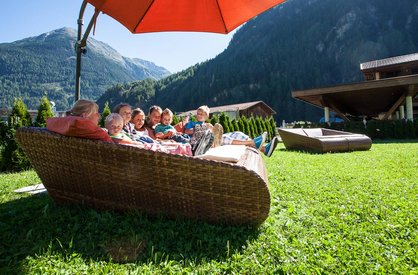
x: 298, y: 45
x: 45, y: 65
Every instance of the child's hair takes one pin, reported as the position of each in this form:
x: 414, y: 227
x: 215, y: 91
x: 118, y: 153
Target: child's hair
x: 205, y: 109
x: 136, y: 112
x: 154, y: 108
x: 113, y: 117
x: 83, y: 106
x: 117, y: 108
x: 167, y: 112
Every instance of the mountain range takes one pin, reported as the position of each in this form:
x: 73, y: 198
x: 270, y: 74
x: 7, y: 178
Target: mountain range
x: 45, y: 65
x: 298, y: 45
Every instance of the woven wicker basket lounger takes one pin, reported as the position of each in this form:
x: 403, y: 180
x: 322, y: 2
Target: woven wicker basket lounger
x: 323, y: 140
x: 117, y: 177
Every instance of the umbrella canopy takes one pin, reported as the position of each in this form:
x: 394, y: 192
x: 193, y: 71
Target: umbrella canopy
x: 218, y: 16
x: 141, y: 16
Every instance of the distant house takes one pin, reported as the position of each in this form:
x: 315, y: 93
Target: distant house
x: 390, y: 67
x: 255, y: 108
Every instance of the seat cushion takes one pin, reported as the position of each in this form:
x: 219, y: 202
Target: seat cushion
x: 227, y: 153
x: 75, y: 126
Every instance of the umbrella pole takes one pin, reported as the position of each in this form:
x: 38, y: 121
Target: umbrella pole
x: 81, y: 44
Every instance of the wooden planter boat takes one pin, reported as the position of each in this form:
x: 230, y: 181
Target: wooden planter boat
x: 118, y: 177
x: 321, y: 140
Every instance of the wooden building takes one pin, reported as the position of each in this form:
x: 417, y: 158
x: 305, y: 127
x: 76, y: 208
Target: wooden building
x: 255, y: 108
x: 389, y: 91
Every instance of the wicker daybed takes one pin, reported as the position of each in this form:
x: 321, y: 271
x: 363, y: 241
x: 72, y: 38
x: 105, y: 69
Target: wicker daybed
x: 118, y: 177
x: 323, y: 140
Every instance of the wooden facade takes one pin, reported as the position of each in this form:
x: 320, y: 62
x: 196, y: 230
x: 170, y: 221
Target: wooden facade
x: 389, y: 91
x: 255, y: 108
x: 390, y: 67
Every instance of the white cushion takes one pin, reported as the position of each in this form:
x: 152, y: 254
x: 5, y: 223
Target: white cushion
x: 228, y: 153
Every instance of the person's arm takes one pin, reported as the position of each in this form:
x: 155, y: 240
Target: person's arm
x: 189, y: 131
x: 188, y: 128
x: 150, y: 132
x: 159, y: 135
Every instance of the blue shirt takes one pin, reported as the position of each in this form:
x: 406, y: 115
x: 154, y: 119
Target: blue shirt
x: 161, y: 128
x: 192, y: 124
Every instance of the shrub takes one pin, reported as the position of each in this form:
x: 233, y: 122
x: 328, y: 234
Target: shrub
x: 105, y: 113
x: 223, y: 121
x: 13, y: 158
x: 44, y: 112
x: 214, y: 120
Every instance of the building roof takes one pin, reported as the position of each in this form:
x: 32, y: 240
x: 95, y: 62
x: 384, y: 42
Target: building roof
x: 389, y: 61
x: 234, y: 107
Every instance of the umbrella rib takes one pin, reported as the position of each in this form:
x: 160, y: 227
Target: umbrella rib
x: 222, y: 17
x: 140, y: 19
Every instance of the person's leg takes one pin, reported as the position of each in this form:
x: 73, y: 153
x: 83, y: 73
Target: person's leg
x: 236, y: 138
x: 242, y: 139
x: 260, y: 140
x: 268, y: 150
x: 218, y: 131
x: 249, y: 142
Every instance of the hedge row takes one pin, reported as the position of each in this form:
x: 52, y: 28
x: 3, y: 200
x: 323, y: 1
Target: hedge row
x: 375, y: 129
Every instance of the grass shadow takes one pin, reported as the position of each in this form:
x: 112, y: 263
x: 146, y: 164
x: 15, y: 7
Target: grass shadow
x: 35, y: 225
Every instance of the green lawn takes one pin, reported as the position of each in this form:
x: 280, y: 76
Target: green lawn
x: 345, y: 213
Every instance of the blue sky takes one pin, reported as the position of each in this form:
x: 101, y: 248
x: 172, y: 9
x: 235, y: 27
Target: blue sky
x: 173, y: 50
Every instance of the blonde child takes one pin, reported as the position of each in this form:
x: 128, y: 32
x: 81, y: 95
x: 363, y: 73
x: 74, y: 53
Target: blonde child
x: 114, y: 124
x: 202, y: 113
x: 164, y: 130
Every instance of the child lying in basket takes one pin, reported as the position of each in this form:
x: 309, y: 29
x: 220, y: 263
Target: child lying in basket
x: 164, y: 130
x: 232, y: 138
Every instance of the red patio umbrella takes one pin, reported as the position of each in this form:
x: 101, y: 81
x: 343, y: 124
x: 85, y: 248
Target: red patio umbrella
x: 141, y: 16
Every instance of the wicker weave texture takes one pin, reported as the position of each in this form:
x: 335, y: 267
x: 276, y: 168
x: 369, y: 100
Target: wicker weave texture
x: 322, y: 140
x: 117, y: 177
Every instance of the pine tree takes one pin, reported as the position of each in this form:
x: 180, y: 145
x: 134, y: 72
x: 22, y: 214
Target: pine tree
x: 267, y: 128
x: 241, y: 125
x: 175, y: 120
x: 214, y: 120
x: 223, y: 121
x: 273, y: 127
x: 235, y: 124
x: 246, y: 125
x: 44, y: 112
x: 229, y: 123
x: 253, y: 127
x: 105, y: 113
x: 13, y: 158
x: 259, y: 126
x: 19, y: 116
